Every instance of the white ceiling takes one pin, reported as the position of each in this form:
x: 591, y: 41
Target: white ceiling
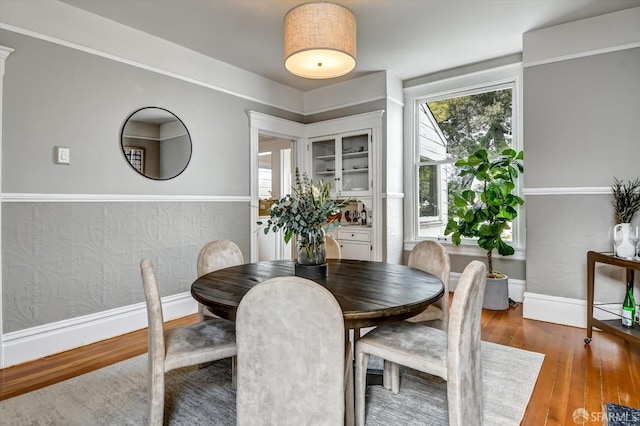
x: 408, y: 38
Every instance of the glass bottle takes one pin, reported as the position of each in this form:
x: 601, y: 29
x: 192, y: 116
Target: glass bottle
x: 629, y: 306
x: 363, y: 215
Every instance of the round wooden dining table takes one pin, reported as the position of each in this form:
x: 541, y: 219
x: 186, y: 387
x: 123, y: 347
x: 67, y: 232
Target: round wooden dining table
x: 369, y: 293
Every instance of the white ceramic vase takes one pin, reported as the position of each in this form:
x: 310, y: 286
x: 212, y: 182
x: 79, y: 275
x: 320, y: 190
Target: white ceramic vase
x: 624, y: 241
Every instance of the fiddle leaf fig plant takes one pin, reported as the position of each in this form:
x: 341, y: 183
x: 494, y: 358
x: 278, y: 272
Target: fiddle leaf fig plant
x: 487, y: 212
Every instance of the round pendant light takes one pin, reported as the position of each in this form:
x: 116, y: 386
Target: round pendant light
x: 320, y: 40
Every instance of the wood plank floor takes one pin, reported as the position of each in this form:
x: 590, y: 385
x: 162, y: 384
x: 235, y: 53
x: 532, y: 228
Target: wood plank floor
x: 573, y: 375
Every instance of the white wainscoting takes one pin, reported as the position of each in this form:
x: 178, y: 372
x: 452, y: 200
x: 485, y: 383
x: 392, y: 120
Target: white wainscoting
x: 37, y: 342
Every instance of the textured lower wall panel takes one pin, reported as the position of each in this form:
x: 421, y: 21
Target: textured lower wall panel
x: 37, y: 342
x: 561, y: 229
x: 67, y: 260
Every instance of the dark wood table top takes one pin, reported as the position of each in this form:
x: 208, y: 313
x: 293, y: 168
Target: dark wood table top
x: 370, y: 293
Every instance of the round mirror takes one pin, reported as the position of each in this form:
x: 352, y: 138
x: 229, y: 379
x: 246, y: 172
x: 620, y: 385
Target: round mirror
x: 156, y: 143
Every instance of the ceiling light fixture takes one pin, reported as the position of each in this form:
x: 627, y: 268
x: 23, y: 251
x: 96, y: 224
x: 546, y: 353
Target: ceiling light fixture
x: 319, y: 40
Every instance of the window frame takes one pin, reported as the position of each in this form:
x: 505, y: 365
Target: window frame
x: 466, y: 84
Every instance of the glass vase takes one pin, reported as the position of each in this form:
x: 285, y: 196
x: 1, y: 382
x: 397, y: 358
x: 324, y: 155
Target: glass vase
x: 311, y: 248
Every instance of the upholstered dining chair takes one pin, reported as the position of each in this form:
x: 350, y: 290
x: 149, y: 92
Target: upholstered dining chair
x: 193, y: 344
x: 217, y: 254
x: 431, y: 257
x: 453, y: 355
x: 293, y: 358
x: 332, y: 247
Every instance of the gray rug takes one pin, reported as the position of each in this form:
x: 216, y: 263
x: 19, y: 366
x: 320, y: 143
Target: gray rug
x: 116, y: 395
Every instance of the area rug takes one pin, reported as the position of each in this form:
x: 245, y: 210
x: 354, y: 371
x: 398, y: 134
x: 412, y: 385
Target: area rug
x: 116, y: 395
x: 619, y: 415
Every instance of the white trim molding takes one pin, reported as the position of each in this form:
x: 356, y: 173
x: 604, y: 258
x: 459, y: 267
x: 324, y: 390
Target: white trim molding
x: 4, y: 54
x: 37, y: 342
x: 118, y: 198
x: 568, y: 191
x: 554, y: 309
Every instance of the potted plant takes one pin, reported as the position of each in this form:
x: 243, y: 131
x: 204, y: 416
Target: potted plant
x: 486, y: 213
x: 306, y: 213
x: 626, y: 203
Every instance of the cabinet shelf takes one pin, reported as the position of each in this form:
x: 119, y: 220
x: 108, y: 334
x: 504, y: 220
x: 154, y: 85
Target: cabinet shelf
x: 344, y: 172
x: 359, y: 154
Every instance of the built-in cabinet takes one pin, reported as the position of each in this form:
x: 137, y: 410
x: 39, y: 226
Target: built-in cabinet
x: 344, y: 161
x: 346, y: 153
x: 354, y: 243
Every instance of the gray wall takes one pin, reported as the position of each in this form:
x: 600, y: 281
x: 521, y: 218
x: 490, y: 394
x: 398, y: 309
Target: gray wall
x: 580, y: 131
x: 64, y: 259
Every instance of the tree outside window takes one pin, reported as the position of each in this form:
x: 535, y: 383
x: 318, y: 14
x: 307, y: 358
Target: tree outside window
x: 451, y: 128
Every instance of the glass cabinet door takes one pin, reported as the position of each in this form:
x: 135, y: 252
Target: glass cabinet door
x: 323, y: 155
x: 355, y: 163
x: 343, y: 160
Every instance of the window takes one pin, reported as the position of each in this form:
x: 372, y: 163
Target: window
x: 449, y: 125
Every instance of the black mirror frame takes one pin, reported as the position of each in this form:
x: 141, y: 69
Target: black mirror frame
x: 122, y: 144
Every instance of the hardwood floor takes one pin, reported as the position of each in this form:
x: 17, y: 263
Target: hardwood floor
x: 573, y: 375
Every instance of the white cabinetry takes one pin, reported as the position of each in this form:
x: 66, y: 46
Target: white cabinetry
x: 347, y: 153
x: 343, y: 160
x: 355, y: 243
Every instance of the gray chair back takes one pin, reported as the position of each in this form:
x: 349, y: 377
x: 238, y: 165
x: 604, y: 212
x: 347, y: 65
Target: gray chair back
x: 154, y: 315
x: 291, y: 348
x: 332, y: 247
x: 432, y: 257
x: 218, y: 254
x: 464, y: 368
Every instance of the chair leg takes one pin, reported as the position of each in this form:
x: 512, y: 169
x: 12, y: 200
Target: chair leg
x: 362, y: 361
x: 391, y: 376
x: 386, y: 375
x: 395, y: 378
x: 200, y: 312
x: 155, y: 393
x: 349, y: 419
x: 234, y: 367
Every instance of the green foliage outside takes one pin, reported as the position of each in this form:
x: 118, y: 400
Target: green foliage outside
x: 470, y: 123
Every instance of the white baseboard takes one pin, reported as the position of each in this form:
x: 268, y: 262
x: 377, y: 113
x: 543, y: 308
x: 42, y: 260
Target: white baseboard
x: 558, y: 310
x: 517, y: 288
x: 37, y: 342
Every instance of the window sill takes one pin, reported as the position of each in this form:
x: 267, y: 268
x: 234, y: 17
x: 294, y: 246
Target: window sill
x: 467, y: 249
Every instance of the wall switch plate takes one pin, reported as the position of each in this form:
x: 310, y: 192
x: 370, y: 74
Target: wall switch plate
x: 62, y: 155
